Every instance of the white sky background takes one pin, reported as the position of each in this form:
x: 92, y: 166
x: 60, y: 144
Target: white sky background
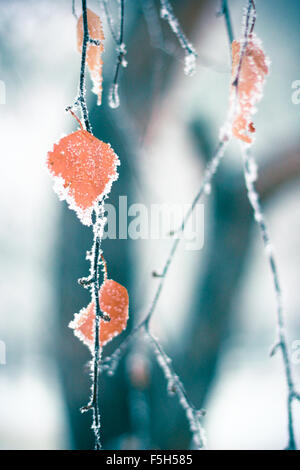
x: 41, y: 79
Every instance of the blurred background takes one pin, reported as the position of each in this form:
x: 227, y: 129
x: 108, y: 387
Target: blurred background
x: 216, y: 316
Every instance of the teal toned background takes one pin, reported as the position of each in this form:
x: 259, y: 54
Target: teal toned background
x: 216, y: 317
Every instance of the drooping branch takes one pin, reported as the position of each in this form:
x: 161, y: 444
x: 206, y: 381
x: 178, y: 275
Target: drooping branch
x: 82, y: 89
x: 93, y: 282
x: 80, y: 101
x: 110, y: 363
x: 175, y: 386
x: 250, y: 173
x: 95, y: 258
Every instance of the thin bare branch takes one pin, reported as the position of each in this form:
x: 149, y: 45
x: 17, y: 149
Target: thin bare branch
x: 80, y: 101
x: 167, y: 14
x: 175, y: 386
x: 93, y: 281
x: 110, y: 363
x: 250, y: 173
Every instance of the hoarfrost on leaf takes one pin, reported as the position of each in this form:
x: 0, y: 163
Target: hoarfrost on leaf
x: 248, y: 77
x: 83, y: 168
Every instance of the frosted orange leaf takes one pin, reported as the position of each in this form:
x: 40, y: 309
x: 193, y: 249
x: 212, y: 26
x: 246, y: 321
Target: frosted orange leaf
x: 254, y: 67
x: 93, y: 56
x: 113, y: 300
x: 83, y: 168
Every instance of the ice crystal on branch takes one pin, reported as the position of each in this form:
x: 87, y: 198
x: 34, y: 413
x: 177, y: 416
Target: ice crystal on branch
x: 250, y: 174
x: 167, y: 14
x: 118, y: 37
x: 190, y: 64
x: 113, y: 97
x: 175, y: 387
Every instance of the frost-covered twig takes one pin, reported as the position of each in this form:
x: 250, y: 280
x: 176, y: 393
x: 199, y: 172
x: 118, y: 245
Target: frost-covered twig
x: 95, y: 258
x: 81, y: 98
x: 113, y: 99
x: 250, y: 173
x: 156, y: 35
x: 110, y: 363
x: 208, y: 176
x: 167, y: 14
x: 175, y: 386
x: 98, y: 226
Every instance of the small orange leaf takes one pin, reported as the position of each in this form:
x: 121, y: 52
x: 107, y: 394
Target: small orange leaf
x: 83, y: 168
x: 113, y: 300
x: 254, y: 67
x: 93, y: 56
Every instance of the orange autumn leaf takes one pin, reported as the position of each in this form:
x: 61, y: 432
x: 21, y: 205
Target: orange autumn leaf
x: 83, y: 168
x: 254, y: 68
x: 113, y: 300
x: 93, y: 55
